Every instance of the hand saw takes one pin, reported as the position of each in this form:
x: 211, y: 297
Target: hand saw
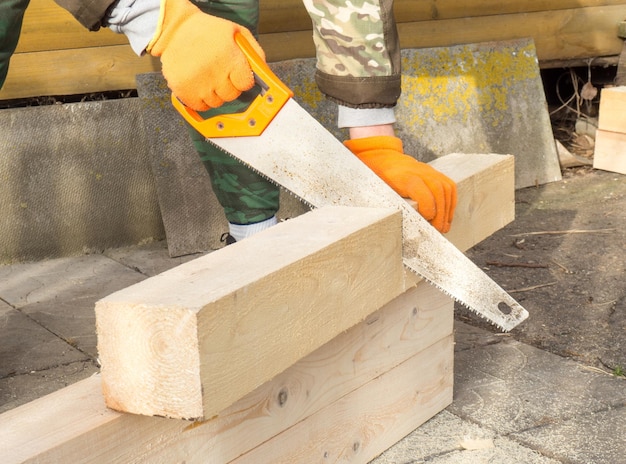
x: 277, y: 138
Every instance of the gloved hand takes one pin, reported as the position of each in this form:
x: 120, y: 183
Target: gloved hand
x: 434, y: 192
x: 200, y: 60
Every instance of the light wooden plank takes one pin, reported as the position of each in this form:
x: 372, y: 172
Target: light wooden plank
x: 53, y: 429
x: 366, y: 422
x: 612, y: 115
x: 558, y: 35
x: 564, y: 34
x: 409, y: 10
x: 48, y: 27
x: 610, y: 151
x: 290, y: 15
x: 191, y: 341
x: 69, y: 72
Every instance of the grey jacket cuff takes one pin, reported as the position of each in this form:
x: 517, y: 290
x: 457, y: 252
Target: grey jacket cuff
x: 137, y: 20
x: 361, y: 117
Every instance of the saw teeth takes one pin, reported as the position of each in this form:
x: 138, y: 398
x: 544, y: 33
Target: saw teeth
x: 457, y: 274
x: 499, y: 326
x: 311, y: 206
x: 267, y: 178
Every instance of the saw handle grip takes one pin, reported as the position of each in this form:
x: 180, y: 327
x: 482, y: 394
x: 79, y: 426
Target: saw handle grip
x: 253, y: 121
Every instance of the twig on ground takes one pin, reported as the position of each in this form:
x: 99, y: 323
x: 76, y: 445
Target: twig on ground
x: 501, y: 264
x: 565, y: 232
x: 566, y: 270
x: 534, y: 287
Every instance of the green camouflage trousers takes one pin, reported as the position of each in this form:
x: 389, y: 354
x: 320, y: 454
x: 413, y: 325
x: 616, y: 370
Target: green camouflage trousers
x: 247, y: 198
x: 11, y: 15
x: 354, y: 39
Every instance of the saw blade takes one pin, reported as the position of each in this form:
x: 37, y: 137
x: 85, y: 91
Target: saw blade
x: 298, y: 153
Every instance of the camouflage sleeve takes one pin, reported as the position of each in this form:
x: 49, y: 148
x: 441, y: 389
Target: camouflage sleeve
x: 358, y: 52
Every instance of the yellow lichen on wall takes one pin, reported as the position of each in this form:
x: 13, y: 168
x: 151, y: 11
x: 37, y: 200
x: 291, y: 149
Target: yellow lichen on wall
x: 449, y: 82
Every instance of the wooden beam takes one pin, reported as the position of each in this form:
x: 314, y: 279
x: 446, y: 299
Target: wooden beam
x: 610, y: 148
x: 610, y: 151
x: 402, y: 340
x: 74, y: 425
x: 399, y: 401
x: 191, y: 341
x: 612, y: 114
x: 484, y: 191
x: 49, y: 27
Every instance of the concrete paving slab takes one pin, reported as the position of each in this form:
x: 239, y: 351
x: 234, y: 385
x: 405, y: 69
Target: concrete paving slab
x: 512, y: 387
x: 60, y: 294
x: 553, y: 405
x: 587, y: 438
x: 447, y: 439
x: 513, y: 403
x: 149, y: 259
x: 63, y: 279
x: 21, y: 389
x: 26, y: 346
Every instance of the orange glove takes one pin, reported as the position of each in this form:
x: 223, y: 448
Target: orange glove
x: 201, y: 62
x: 434, y: 192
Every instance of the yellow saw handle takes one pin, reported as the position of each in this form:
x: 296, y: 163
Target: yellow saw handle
x: 253, y: 121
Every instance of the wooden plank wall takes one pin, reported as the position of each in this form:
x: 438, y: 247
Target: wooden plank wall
x: 56, y: 56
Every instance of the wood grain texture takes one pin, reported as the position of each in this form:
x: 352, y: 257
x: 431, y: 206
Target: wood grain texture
x: 191, y: 341
x: 485, y: 187
x: 398, y: 402
x: 75, y: 71
x: 612, y: 115
x: 409, y: 334
x: 610, y: 151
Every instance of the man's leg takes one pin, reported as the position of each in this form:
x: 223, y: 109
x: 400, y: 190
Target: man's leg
x: 250, y: 201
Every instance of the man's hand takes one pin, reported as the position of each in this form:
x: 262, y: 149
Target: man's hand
x: 434, y: 192
x: 200, y: 60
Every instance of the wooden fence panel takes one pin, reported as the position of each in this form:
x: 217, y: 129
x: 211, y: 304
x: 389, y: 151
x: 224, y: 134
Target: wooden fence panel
x: 56, y: 56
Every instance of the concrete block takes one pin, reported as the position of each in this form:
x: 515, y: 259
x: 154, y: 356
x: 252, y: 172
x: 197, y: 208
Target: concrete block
x: 74, y: 178
x: 476, y: 98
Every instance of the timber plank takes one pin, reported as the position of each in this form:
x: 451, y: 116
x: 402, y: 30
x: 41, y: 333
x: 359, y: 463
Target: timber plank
x: 69, y: 72
x: 53, y: 429
x: 484, y: 187
x: 612, y: 113
x: 366, y: 422
x: 558, y: 35
x: 610, y: 151
x: 48, y: 27
x: 409, y: 10
x: 189, y: 342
